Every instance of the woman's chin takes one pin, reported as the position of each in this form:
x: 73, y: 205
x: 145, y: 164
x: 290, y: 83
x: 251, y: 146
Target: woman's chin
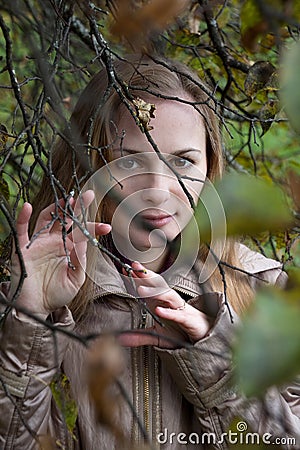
x: 155, y: 239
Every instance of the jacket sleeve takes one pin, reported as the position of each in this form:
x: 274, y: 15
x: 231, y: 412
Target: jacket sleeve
x: 30, y: 355
x: 204, y: 375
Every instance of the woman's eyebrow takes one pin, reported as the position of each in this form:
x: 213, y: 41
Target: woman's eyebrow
x: 186, y: 150
x: 127, y: 150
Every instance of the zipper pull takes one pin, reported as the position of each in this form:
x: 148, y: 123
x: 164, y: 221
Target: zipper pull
x: 143, y: 320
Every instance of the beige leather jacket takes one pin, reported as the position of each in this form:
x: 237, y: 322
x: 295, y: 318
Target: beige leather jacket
x: 185, y: 398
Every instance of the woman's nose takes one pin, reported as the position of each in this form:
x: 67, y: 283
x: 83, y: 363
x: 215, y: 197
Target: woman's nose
x: 156, y: 189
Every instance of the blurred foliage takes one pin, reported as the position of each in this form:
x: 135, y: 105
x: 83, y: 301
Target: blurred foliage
x: 239, y: 194
x: 268, y: 350
x: 50, y: 49
x: 104, y: 365
x: 61, y: 391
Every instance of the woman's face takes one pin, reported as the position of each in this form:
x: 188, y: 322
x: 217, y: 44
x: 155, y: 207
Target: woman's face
x: 151, y: 197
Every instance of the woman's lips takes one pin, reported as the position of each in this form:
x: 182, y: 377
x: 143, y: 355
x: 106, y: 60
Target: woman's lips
x: 158, y: 220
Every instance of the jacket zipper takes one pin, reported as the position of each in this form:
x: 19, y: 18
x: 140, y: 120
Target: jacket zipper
x: 106, y: 294
x: 146, y: 389
x: 144, y: 314
x: 185, y: 291
x: 145, y: 358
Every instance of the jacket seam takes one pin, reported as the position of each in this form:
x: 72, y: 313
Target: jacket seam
x: 14, y: 427
x: 218, y: 392
x: 213, y: 416
x: 11, y: 433
x: 16, y: 419
x: 182, y: 366
x: 214, y: 419
x: 188, y: 376
x: 35, y: 348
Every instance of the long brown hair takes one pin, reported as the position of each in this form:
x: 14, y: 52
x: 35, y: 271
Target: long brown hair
x: 92, y: 129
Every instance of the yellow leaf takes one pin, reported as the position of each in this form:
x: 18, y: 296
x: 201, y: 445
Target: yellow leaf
x: 3, y: 136
x: 145, y: 111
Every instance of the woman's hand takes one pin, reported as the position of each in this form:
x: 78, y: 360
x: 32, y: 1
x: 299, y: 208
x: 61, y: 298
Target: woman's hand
x: 51, y: 282
x: 182, y: 322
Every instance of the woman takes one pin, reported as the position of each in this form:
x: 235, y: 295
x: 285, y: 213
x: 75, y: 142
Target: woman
x: 178, y: 374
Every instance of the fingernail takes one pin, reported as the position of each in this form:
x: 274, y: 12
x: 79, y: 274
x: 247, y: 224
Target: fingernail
x: 143, y: 270
x: 106, y: 225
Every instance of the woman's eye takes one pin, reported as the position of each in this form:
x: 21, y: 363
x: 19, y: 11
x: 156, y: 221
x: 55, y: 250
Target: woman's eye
x: 127, y: 163
x: 182, y: 163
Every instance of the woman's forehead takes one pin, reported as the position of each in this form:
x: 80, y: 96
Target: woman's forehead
x: 172, y: 122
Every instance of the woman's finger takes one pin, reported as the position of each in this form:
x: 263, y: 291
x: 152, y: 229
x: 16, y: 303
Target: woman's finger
x: 192, y: 321
x: 78, y: 263
x: 79, y: 205
x: 22, y: 224
x: 137, y: 338
x: 176, y: 315
x: 143, y: 276
x: 141, y: 271
x: 151, y: 336
x: 78, y: 252
x: 83, y: 201
x: 46, y: 216
x: 93, y: 229
x: 166, y: 296
x: 161, y: 293
x: 63, y: 217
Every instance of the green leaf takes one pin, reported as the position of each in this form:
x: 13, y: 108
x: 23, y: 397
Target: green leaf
x: 293, y: 278
x: 4, y: 197
x: 293, y: 176
x: 4, y: 189
x: 61, y: 391
x: 250, y: 206
x: 5, y: 247
x: 4, y: 229
x: 268, y: 112
x: 268, y: 345
x: 290, y: 92
x: 252, y: 24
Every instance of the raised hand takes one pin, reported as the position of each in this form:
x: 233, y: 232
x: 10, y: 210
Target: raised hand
x: 182, y: 322
x: 51, y: 281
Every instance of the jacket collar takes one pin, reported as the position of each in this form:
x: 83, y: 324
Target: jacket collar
x: 254, y: 262
x: 108, y: 280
